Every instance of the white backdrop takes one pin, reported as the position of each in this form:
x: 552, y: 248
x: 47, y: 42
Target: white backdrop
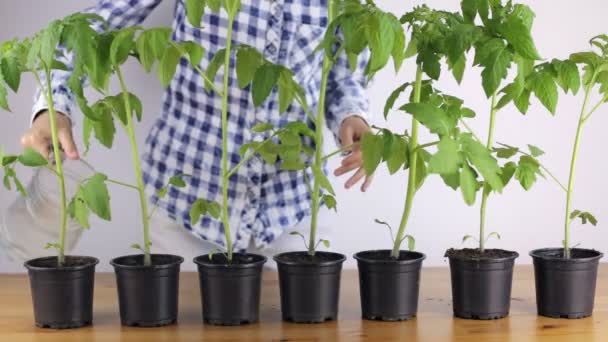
x: 440, y: 218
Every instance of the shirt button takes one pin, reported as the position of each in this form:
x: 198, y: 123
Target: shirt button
x: 272, y: 49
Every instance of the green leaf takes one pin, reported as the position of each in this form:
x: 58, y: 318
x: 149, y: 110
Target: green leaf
x: 483, y: 161
x: 390, y: 102
x: 97, y: 197
x: 496, y: 66
x: 430, y: 63
x: 262, y: 127
x: 589, y: 58
x: 397, y: 155
x: 162, y: 193
x: 49, y: 40
x: 265, y: 79
x: 193, y: 51
x: 535, y: 151
x: 411, y: 243
x: 330, y: 202
x: 381, y: 40
x: 584, y: 216
x: 544, y: 88
x: 447, y: 159
x: 469, y: 9
x: 122, y: 45
x: 10, y: 71
x: 523, y: 101
x: 421, y: 169
x: 431, y: 116
x: 326, y: 243
x: 506, y: 152
x: 452, y: 180
x: 31, y: 158
x: 214, y: 209
x: 322, y: 179
x: 3, y: 96
x: 468, y: 237
x: 372, y: 147
x: 198, y: 209
x: 151, y: 45
x: 468, y: 184
x: 214, y: 66
x: 248, y: 60
x: 517, y: 33
x: 507, y: 172
x: 526, y: 172
x: 493, y: 234
x: 168, y: 65
x: 194, y: 11
x: 568, y: 76
x: 78, y: 210
x: 177, y: 181
x: 458, y: 68
x: 137, y: 246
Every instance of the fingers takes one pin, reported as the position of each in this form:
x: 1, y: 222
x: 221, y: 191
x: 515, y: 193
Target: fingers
x: 360, y: 174
x: 346, y: 135
x: 367, y: 183
x: 347, y: 167
x: 67, y: 143
x: 38, y: 143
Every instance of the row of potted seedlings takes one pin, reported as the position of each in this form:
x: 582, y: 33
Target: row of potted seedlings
x: 498, y: 34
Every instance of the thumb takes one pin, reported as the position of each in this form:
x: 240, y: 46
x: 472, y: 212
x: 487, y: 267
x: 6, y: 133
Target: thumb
x: 346, y: 135
x: 67, y: 143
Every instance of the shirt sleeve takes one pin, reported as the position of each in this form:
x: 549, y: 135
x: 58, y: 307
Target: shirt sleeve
x: 346, y: 93
x: 119, y: 14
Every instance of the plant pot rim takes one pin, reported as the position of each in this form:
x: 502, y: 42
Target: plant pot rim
x: 201, y: 261
x: 536, y: 254
x: 116, y: 262
x: 357, y: 256
x: 93, y: 262
x: 340, y: 258
x: 514, y: 256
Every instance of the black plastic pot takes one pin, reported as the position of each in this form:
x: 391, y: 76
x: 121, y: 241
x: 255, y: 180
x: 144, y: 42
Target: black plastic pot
x: 230, y: 293
x: 310, y: 286
x: 481, y: 284
x: 565, y: 288
x: 62, y: 296
x: 389, y: 287
x: 148, y: 295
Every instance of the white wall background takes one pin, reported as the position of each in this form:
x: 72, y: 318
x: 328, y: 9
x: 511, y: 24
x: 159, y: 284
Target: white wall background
x: 440, y: 218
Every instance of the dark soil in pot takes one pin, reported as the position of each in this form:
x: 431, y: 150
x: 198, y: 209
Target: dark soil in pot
x: 310, y: 286
x: 230, y: 293
x: 62, y: 296
x: 565, y: 288
x: 148, y: 295
x: 481, y: 282
x: 389, y: 287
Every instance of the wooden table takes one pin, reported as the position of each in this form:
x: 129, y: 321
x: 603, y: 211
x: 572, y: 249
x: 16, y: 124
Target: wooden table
x: 434, y: 322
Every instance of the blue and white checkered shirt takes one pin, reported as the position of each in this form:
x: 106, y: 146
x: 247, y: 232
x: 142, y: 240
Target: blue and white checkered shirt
x: 187, y: 136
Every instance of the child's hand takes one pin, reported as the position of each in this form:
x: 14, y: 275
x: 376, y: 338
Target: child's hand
x: 352, y: 131
x: 38, y: 136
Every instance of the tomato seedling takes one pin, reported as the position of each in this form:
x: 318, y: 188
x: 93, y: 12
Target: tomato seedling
x: 39, y: 55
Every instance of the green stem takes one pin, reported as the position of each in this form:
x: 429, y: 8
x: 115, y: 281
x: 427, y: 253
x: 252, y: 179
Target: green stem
x: 130, y: 186
x: 340, y: 150
x: 419, y: 147
x: 318, y: 162
x: 225, y: 219
x: 464, y: 123
x: 135, y: 155
x: 200, y: 72
x: 486, y: 192
x: 59, y: 167
x: 411, y: 182
x: 577, y: 140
